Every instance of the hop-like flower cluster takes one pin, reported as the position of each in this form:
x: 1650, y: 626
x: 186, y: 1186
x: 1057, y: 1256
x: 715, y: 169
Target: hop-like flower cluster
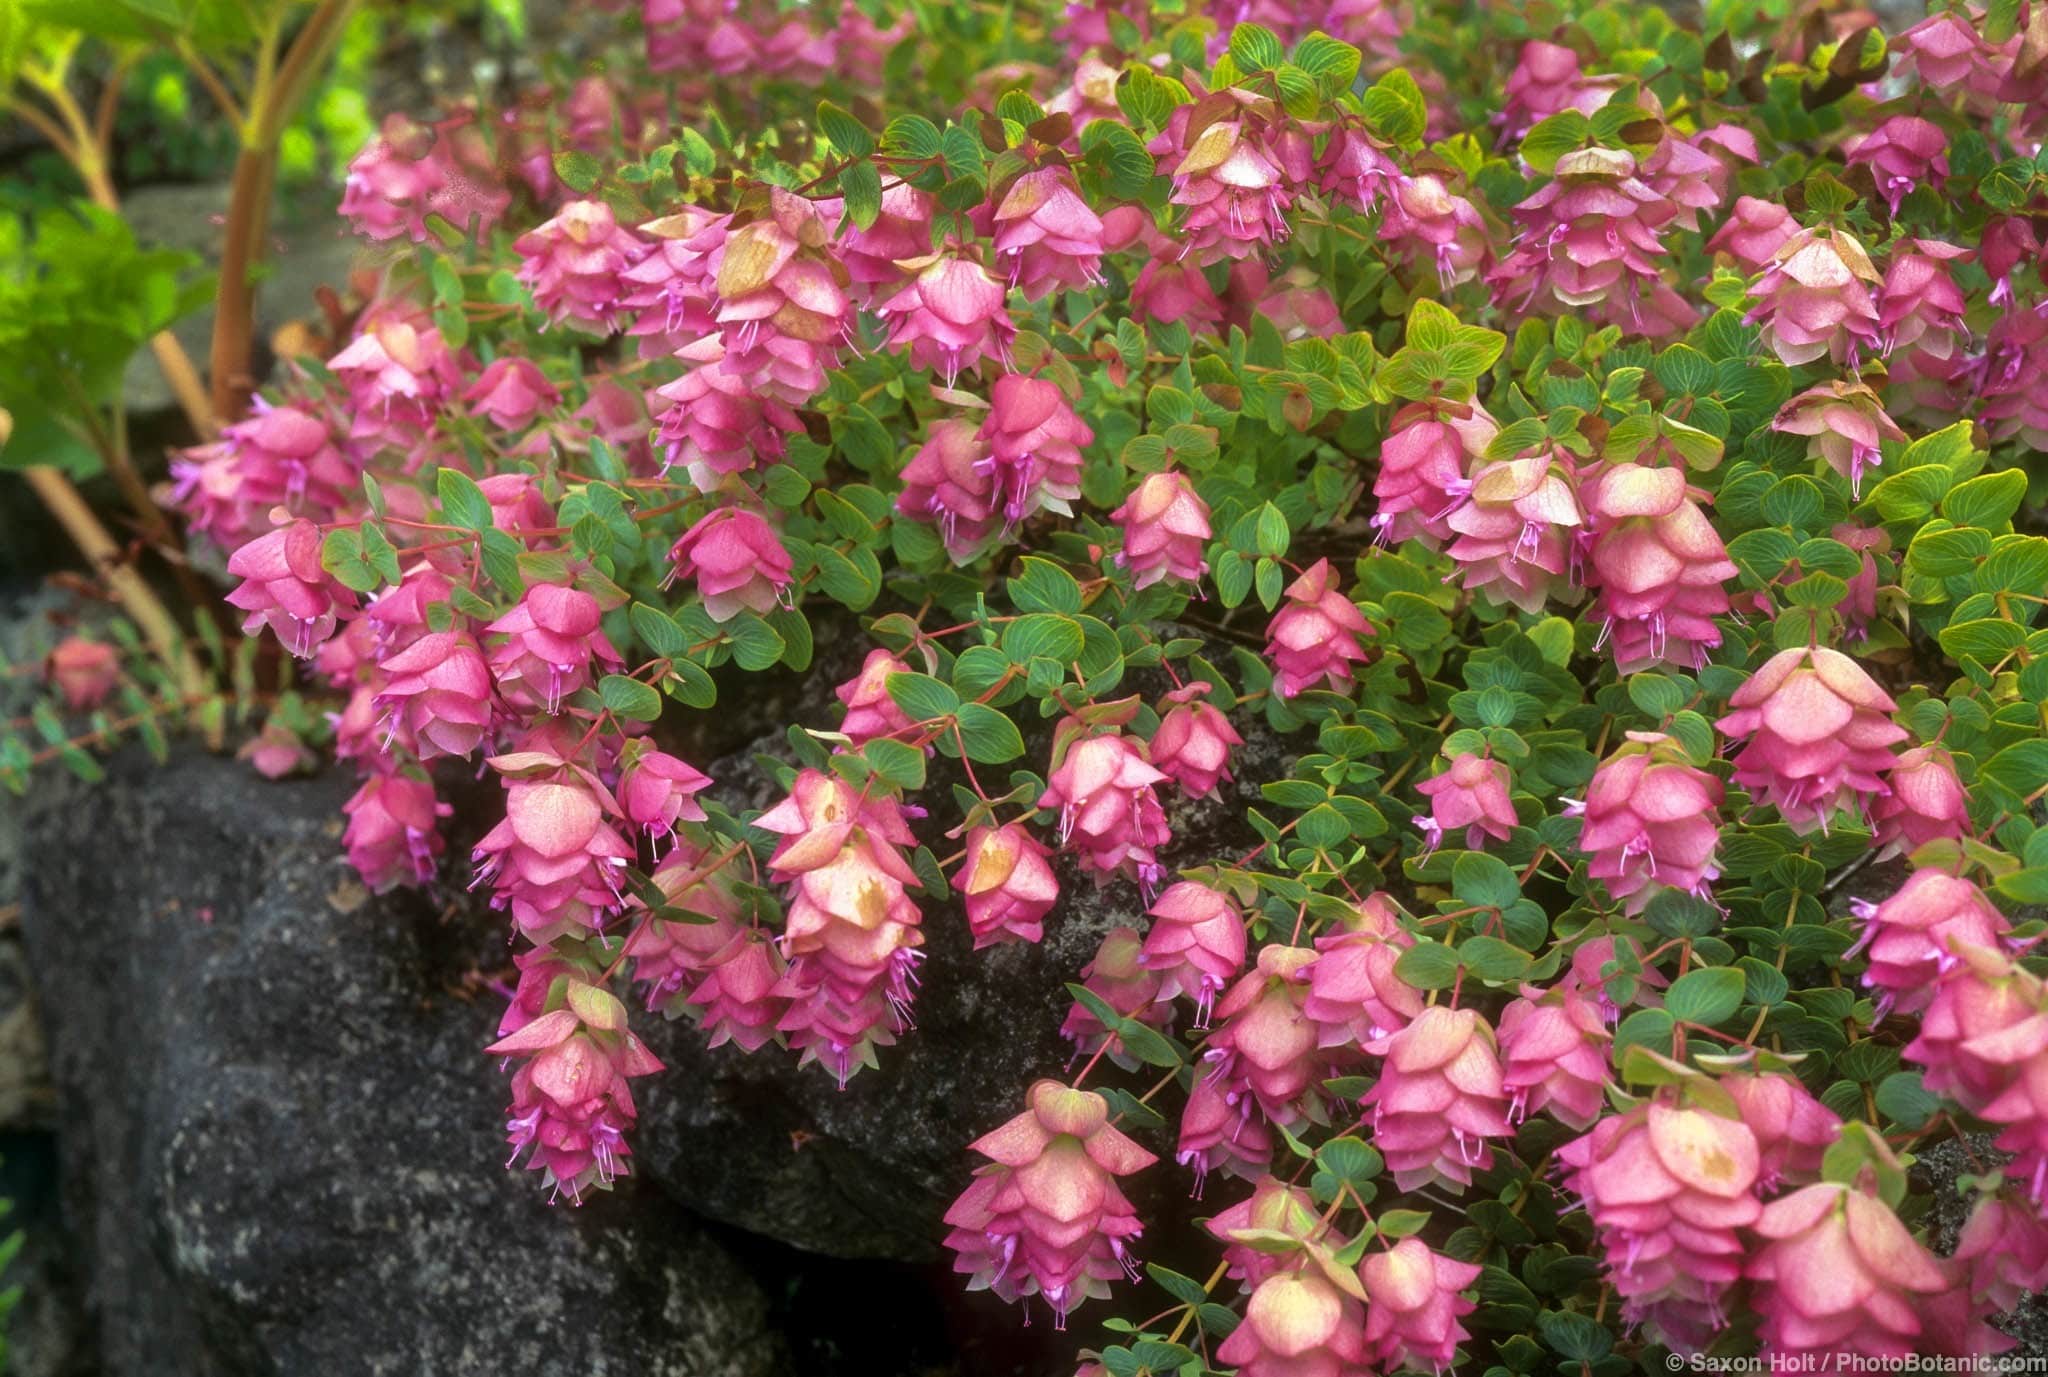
x: 1196, y: 943
x: 851, y: 932
x: 1316, y: 636
x: 1472, y: 794
x: 1109, y: 814
x: 1007, y: 884
x: 1193, y: 742
x: 1838, y: 1274
x: 1667, y: 1187
x: 1046, y: 1217
x: 1516, y: 530
x: 1439, y: 1098
x: 1820, y: 736
x: 1908, y: 940
x: 1237, y: 174
x: 1651, y: 820
x: 1659, y: 569
x: 1165, y: 526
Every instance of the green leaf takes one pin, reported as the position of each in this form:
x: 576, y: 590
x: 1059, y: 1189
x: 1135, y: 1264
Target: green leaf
x: 1901, y: 1098
x: 990, y: 737
x: 1489, y: 958
x: 1705, y: 996
x: 462, y: 502
x: 898, y: 762
x: 1350, y: 1160
x: 1479, y: 878
x: 1255, y: 48
x: 1044, y: 634
x: 1395, y: 108
x: 1120, y: 158
x: 629, y: 698
x: 1428, y: 966
x: 658, y: 631
x: 1554, y: 137
x: 861, y: 185
x: 848, y: 135
x: 1987, y: 501
x: 1331, y: 62
x: 577, y: 170
x: 923, y: 698
x: 1045, y: 587
x: 755, y: 644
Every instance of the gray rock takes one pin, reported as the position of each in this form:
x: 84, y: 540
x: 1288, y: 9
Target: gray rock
x: 279, y: 1135
x: 1938, y: 1168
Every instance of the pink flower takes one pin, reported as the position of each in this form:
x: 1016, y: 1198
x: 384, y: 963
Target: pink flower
x: 1920, y: 307
x: 398, y: 377
x: 1354, y: 995
x: 1297, y: 1324
x: 2008, y: 242
x: 1355, y: 168
x: 1221, y: 1133
x: 1048, y: 234
x: 1667, y: 1187
x: 1165, y: 525
x: 1845, y: 422
x: 902, y: 231
x: 83, y: 671
x: 870, y: 711
x: 1927, y: 801
x: 1196, y: 943
x: 717, y: 422
x: 1272, y: 1208
x: 852, y: 931
x: 573, y: 264
x: 1472, y: 794
x: 517, y: 506
x: 555, y: 861
x: 1425, y: 220
x: 951, y: 481
x: 739, y: 998
x: 551, y: 639
x: 1007, y: 883
x: 736, y: 560
x: 282, y: 456
x: 1193, y: 743
x: 1981, y: 1030
x: 2015, y: 356
x: 1110, y: 817
x: 1034, y: 444
x: 1117, y: 976
x: 656, y: 791
x: 1946, y: 52
x: 670, y: 951
x: 1171, y: 289
x: 1547, y: 80
x: 1693, y: 173
x: 1266, y: 1048
x: 1820, y: 736
x: 439, y: 688
x: 1793, y: 1130
x: 783, y: 312
x: 511, y: 391
x: 1413, y: 1303
x: 1904, y: 152
x: 951, y: 313
x: 1516, y: 530
x: 1754, y: 232
x: 1315, y: 636
x: 673, y: 288
x: 1046, y: 1217
x: 1814, y: 299
x: 2003, y: 1250
x: 1838, y: 1275
x: 285, y: 587
x: 570, y: 1104
x: 412, y: 170
x: 1554, y: 1048
x: 393, y: 835
x: 1659, y: 567
x: 1421, y: 478
x: 1439, y: 1098
x: 1651, y: 820
x: 1588, y: 245
x: 1236, y: 176
x: 1296, y: 305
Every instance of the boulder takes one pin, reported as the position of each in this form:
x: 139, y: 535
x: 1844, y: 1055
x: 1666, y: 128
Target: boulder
x: 279, y: 1138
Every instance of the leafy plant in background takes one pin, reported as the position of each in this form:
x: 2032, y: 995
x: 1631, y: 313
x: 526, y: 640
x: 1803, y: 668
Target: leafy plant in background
x: 1599, y: 456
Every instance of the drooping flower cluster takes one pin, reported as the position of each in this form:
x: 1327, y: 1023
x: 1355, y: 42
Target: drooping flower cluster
x: 1046, y: 1217
x: 1820, y: 736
